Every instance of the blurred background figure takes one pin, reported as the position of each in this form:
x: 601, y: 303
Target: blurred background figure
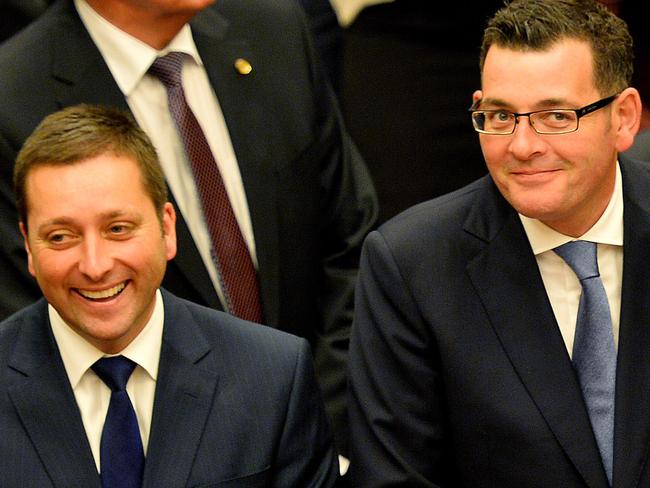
x: 630, y: 11
x: 347, y: 10
x: 15, y: 14
x: 328, y: 35
x: 409, y: 69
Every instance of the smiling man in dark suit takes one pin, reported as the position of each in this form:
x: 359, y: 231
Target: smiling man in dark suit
x: 215, y: 400
x: 479, y: 357
x: 298, y: 190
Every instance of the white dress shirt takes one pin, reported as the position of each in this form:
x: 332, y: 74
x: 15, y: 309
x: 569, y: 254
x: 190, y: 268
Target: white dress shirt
x: 129, y: 59
x: 92, y: 394
x: 562, y: 285
x: 347, y: 10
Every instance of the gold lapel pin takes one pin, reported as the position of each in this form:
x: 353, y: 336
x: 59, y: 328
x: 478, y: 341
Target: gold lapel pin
x: 242, y: 66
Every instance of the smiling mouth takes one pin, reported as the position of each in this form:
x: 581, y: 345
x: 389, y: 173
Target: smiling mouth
x: 534, y: 173
x: 103, y: 294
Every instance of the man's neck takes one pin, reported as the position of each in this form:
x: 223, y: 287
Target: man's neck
x: 150, y: 26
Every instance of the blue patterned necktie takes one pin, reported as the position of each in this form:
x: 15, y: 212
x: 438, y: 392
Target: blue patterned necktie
x: 121, y: 452
x: 594, y: 351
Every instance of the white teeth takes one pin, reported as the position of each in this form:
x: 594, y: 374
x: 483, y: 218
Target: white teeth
x: 96, y: 295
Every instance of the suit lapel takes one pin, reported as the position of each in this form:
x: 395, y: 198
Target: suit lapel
x: 184, y: 396
x: 78, y: 69
x: 250, y: 126
x: 506, y: 277
x: 45, y: 403
x: 632, y: 437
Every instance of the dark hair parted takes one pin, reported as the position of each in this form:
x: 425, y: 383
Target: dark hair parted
x: 81, y: 132
x: 535, y: 25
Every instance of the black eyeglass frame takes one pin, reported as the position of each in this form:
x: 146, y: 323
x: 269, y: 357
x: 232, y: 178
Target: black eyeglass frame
x: 580, y: 112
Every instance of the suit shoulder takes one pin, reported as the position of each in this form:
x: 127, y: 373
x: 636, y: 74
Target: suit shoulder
x: 28, y: 317
x: 26, y: 67
x: 23, y: 58
x: 30, y: 40
x: 640, y: 150
x: 440, y: 214
x: 258, y: 9
x: 634, y: 168
x: 236, y: 334
x: 8, y: 331
x: 258, y: 20
x: 447, y: 230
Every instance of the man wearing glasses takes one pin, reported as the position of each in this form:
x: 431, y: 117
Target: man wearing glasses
x: 501, y: 337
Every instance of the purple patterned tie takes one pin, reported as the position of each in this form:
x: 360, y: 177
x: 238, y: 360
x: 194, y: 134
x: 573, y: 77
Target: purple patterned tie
x: 237, y: 274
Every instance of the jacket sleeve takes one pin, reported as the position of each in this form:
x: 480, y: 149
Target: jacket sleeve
x: 397, y: 417
x: 306, y: 455
x: 348, y: 211
x: 17, y: 287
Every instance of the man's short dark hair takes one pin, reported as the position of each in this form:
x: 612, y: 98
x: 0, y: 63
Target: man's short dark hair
x: 535, y: 25
x: 81, y: 132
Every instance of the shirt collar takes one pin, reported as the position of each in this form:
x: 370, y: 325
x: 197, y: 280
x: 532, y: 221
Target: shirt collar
x: 78, y: 354
x: 607, y: 230
x: 129, y: 58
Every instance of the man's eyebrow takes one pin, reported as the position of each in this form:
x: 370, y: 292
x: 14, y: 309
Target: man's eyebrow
x: 112, y: 214
x: 56, y: 221
x: 495, y: 102
x: 540, y: 105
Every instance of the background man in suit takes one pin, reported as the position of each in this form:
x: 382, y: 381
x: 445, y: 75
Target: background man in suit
x: 404, y: 96
x: 298, y: 189
x: 328, y: 36
x: 15, y: 14
x: 468, y: 357
x: 641, y: 147
x: 216, y: 398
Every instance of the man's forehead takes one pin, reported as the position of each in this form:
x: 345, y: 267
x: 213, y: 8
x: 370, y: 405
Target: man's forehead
x: 560, y: 75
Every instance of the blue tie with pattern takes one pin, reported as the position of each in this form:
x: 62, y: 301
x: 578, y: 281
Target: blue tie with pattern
x: 594, y: 351
x: 121, y: 452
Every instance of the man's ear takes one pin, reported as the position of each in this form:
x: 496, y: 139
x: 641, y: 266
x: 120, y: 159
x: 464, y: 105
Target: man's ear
x: 476, y: 96
x: 627, y: 118
x: 30, y: 262
x: 169, y: 230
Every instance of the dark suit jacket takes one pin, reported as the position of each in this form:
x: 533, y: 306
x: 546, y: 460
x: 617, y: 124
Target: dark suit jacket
x: 641, y: 147
x: 409, y: 70
x: 16, y: 14
x: 310, y: 197
x: 328, y: 36
x: 459, y: 375
x: 236, y: 405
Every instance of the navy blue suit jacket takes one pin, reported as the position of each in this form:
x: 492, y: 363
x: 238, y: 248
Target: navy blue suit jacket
x: 459, y: 374
x: 236, y: 405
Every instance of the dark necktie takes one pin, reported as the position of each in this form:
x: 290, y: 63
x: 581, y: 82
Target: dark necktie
x: 594, y: 351
x: 237, y: 274
x: 121, y: 452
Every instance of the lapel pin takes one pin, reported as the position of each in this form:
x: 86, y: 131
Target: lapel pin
x: 242, y: 66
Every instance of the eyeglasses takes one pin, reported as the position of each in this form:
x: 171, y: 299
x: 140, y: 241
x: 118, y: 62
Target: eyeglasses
x: 555, y: 121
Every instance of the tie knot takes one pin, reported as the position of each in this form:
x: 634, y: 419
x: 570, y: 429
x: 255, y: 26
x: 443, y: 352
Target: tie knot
x: 581, y: 256
x: 168, y: 69
x: 114, y: 371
